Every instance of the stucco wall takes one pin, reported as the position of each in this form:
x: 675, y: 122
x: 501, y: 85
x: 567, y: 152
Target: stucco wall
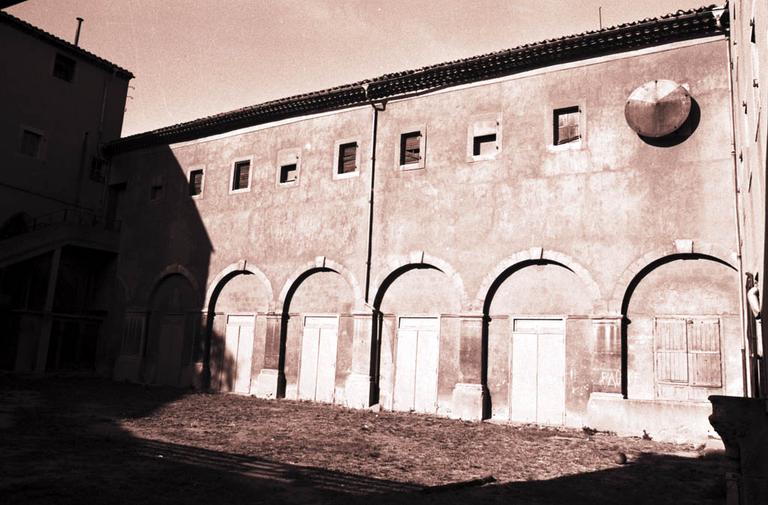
x: 538, y: 230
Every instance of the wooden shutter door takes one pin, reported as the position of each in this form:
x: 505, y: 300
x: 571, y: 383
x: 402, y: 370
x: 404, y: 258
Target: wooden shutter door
x: 671, y: 350
x: 704, y: 352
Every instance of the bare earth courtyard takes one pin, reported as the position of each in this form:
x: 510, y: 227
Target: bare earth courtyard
x: 85, y: 440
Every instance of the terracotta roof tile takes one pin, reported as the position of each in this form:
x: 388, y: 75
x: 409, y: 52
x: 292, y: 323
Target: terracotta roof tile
x: 681, y: 25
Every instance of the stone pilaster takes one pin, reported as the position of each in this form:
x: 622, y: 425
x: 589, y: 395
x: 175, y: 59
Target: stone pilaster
x: 270, y: 382
x: 359, y: 381
x: 469, y: 393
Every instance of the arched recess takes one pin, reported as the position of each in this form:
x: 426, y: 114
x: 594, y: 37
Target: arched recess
x: 681, y: 329
x: 416, y: 259
x: 536, y: 307
x: 237, y: 303
x: 174, y: 306
x: 174, y: 269
x: 530, y: 257
x: 317, y: 331
x: 416, y: 334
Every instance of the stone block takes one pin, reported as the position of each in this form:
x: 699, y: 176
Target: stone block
x: 358, y: 391
x: 266, y: 384
x: 668, y: 421
x: 468, y: 402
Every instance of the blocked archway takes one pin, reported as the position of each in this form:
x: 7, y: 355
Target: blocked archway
x: 237, y: 304
x: 172, y: 326
x: 317, y: 328
x: 536, y: 336
x: 681, y: 330
x: 416, y: 330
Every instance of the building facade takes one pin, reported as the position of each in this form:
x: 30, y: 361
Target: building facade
x: 60, y: 105
x: 487, y: 238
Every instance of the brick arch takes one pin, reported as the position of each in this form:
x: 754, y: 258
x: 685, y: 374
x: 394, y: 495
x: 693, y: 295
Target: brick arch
x: 420, y: 258
x: 536, y: 254
x: 173, y: 269
x: 321, y: 263
x: 241, y: 266
x: 675, y: 249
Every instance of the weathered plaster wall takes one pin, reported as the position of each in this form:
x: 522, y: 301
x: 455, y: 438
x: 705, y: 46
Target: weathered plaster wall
x: 600, y: 208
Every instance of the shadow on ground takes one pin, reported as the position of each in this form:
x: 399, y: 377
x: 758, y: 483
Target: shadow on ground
x: 62, y: 441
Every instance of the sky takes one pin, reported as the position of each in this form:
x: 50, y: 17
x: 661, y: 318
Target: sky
x: 194, y: 58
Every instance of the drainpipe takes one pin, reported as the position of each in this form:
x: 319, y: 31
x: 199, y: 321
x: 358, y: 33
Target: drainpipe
x: 369, y: 252
x: 746, y: 358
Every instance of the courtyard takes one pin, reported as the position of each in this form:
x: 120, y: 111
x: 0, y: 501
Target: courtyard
x: 76, y: 439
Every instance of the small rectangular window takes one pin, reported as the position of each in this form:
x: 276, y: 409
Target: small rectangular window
x: 64, y: 68
x: 288, y: 173
x: 484, y: 137
x: 31, y: 143
x: 566, y: 125
x: 484, y: 145
x: 347, y: 158
x: 241, y: 176
x: 410, y: 148
x: 195, y: 182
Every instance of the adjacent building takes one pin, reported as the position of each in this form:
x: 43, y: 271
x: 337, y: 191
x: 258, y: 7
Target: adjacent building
x: 544, y: 234
x: 58, y: 241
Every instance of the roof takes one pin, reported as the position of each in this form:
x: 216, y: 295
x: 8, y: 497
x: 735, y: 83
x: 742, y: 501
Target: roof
x: 41, y: 34
x: 681, y: 25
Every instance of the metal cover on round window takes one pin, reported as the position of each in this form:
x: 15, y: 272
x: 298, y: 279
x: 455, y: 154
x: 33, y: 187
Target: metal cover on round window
x: 657, y: 108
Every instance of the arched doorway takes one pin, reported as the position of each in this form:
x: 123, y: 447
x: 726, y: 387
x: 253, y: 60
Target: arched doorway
x: 537, y: 331
x: 237, y: 329
x: 174, y: 308
x: 417, y: 328
x: 317, y: 329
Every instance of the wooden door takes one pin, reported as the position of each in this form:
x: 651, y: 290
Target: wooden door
x: 170, y: 346
x: 416, y: 364
x: 238, y: 352
x: 317, y: 371
x: 537, y: 377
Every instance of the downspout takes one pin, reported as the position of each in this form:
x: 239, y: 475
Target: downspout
x: 369, y: 250
x: 375, y: 353
x: 746, y: 358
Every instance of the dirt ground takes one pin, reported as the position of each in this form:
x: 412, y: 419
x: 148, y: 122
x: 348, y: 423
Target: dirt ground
x: 84, y: 440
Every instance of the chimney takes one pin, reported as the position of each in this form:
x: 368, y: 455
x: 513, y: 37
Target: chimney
x: 77, y: 34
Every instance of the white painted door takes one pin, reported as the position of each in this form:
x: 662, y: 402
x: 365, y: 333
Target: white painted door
x: 238, y: 351
x: 537, y: 391
x: 416, y: 364
x: 317, y: 372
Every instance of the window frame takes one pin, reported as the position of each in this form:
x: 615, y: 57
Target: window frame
x: 689, y: 382
x: 41, y: 147
x: 233, y: 165
x: 422, y: 130
x: 551, y: 127
x: 337, y: 158
x: 471, y: 136
x: 285, y: 157
x: 200, y: 168
x: 56, y: 56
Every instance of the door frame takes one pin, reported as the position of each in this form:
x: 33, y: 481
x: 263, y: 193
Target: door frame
x: 227, y: 315
x: 304, y: 317
x: 510, y: 350
x: 396, y: 343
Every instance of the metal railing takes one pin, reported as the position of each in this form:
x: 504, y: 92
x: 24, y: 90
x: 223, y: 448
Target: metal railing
x: 75, y: 216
